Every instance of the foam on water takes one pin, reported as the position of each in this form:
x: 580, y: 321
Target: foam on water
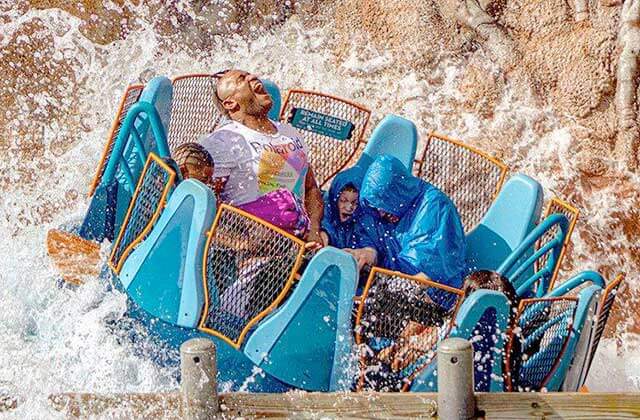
x: 56, y: 339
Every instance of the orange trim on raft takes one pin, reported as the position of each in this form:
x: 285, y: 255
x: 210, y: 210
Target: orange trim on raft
x: 277, y: 300
x: 111, y: 139
x: 154, y: 217
x: 572, y: 223
x: 424, y: 280
x: 610, y: 287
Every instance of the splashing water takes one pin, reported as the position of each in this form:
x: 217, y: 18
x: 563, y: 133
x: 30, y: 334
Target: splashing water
x: 55, y: 339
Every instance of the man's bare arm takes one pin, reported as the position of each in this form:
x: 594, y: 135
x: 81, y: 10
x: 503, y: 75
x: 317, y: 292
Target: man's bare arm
x: 218, y: 187
x: 314, y: 206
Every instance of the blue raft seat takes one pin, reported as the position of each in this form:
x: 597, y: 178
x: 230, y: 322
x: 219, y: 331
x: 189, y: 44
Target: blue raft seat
x: 305, y: 342
x: 509, y: 220
x: 395, y: 136
x: 143, y: 131
x: 552, y: 332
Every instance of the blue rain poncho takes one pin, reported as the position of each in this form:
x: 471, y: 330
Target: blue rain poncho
x: 428, y: 238
x: 342, y: 234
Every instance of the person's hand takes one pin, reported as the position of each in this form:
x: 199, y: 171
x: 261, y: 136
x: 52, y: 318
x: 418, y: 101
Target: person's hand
x: 313, y: 246
x: 363, y: 256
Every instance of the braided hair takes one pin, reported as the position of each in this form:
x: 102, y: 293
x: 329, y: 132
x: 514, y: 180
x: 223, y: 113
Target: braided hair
x: 192, y: 154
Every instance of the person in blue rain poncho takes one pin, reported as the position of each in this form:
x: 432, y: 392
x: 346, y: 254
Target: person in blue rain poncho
x: 341, y: 224
x: 414, y: 227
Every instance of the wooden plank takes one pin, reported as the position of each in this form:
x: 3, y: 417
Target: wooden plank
x: 560, y: 405
x: 358, y: 405
x: 74, y: 257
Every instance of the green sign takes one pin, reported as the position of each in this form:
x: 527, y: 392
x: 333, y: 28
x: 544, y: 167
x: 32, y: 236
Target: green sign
x: 326, y: 125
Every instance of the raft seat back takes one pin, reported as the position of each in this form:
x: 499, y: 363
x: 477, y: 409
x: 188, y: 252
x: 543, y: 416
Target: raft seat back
x: 140, y: 133
x: 470, y: 177
x: 249, y: 268
x: 584, y: 328
x: 600, y: 322
x: 556, y: 205
x: 307, y: 342
x: 522, y: 267
x: 506, y: 224
x: 163, y: 274
x: 194, y: 112
x: 334, y: 130
x: 549, y: 330
x: 397, y: 307
x: 484, y: 314
x: 395, y: 136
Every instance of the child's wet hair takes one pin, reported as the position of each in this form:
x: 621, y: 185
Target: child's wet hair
x: 192, y: 154
x: 487, y: 279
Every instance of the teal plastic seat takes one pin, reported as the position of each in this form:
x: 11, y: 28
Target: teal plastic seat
x: 273, y: 90
x: 163, y: 275
x: 482, y: 318
x: 307, y: 341
x: 509, y: 220
x: 143, y: 131
x: 556, y: 335
x: 395, y: 136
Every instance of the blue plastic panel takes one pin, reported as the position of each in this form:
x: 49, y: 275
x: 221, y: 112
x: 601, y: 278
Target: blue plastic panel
x: 473, y: 317
x: 272, y: 89
x: 586, y: 299
x: 112, y: 196
x: 512, y: 216
x: 395, y: 136
x: 163, y: 275
x: 307, y: 341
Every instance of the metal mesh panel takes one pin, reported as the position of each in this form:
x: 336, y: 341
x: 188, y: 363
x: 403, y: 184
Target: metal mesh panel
x: 469, y: 177
x: 542, y: 330
x: 327, y: 155
x: 193, y: 109
x: 130, y: 97
x: 399, y: 326
x: 145, y: 207
x: 556, y: 206
x: 249, y: 268
x: 606, y: 303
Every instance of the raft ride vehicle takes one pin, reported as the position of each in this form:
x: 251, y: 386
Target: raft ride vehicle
x: 310, y: 322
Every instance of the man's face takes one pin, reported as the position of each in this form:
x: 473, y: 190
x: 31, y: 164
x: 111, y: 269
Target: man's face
x: 388, y: 216
x: 242, y: 91
x: 347, y: 204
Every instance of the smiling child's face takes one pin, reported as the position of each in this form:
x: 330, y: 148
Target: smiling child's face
x: 347, y: 203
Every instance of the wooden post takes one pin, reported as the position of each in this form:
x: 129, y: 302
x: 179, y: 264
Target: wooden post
x: 455, y: 379
x: 198, y: 384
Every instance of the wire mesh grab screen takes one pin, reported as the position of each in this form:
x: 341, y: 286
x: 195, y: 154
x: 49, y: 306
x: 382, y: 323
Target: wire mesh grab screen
x: 469, y: 177
x: 334, y: 129
x: 401, y: 320
x: 193, y: 109
x: 538, y: 341
x: 130, y: 97
x: 146, y: 205
x: 249, y: 266
x: 556, y: 206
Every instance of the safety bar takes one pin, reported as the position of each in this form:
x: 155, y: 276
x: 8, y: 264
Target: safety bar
x: 512, y: 268
x: 128, y: 130
x: 577, y: 281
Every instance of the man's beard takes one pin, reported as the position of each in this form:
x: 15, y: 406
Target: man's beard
x: 258, y: 110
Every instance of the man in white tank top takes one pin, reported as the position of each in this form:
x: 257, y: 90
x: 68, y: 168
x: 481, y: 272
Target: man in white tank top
x: 254, y: 156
